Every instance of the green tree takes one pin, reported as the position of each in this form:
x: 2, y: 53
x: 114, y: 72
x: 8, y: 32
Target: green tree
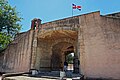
x: 9, y: 23
x: 70, y: 58
x: 4, y: 40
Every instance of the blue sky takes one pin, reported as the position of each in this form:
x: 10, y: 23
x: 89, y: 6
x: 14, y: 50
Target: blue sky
x: 50, y: 10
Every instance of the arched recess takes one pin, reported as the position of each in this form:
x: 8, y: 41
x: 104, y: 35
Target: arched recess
x: 55, y: 44
x: 58, y: 55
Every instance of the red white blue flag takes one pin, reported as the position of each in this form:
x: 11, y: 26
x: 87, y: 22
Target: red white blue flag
x: 76, y: 7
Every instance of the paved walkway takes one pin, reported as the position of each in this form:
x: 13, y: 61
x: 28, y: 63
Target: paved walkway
x: 27, y: 78
x: 54, y: 75
x: 33, y: 78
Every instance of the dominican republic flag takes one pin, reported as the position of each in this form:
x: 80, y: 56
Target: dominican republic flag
x: 76, y: 7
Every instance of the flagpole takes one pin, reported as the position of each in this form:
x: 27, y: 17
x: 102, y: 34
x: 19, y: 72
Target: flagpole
x: 72, y: 10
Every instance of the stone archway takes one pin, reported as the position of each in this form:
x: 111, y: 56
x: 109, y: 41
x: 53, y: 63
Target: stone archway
x: 51, y: 48
x: 58, y: 55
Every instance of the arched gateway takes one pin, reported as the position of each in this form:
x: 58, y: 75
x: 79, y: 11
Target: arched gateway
x: 52, y: 43
x: 94, y: 40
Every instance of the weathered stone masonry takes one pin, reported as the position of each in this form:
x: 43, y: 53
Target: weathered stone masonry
x: 18, y: 53
x: 95, y: 38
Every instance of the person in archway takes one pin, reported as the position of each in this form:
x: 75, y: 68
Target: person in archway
x: 65, y: 66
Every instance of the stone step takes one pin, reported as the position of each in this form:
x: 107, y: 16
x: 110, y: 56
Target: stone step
x: 60, y: 74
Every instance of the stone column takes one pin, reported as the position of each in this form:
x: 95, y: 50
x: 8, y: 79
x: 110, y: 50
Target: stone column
x: 81, y: 48
x: 35, y: 26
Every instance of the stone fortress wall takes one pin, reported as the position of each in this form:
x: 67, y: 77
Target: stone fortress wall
x: 96, y: 41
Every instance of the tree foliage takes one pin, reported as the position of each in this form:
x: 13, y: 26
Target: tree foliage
x: 70, y: 58
x: 4, y: 40
x: 9, y: 23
